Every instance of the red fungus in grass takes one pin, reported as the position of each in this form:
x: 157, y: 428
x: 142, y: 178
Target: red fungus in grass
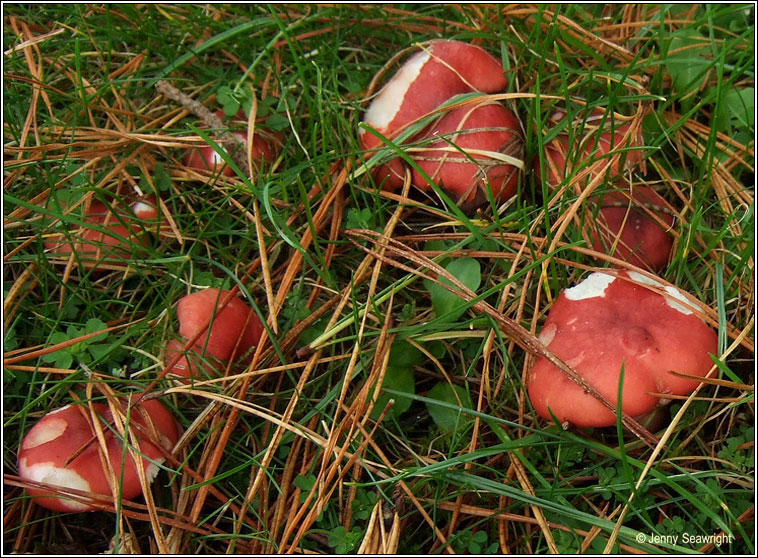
x: 233, y: 332
x: 441, y: 70
x: 124, y: 230
x: 607, y: 322
x: 266, y: 145
x: 599, y: 136
x: 631, y: 224
x: 480, y: 146
x: 62, y: 450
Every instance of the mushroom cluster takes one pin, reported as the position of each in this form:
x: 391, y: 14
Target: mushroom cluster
x: 224, y: 329
x: 622, y: 331
x: 612, y: 323
x: 81, y: 448
x: 472, y: 149
x: 68, y: 449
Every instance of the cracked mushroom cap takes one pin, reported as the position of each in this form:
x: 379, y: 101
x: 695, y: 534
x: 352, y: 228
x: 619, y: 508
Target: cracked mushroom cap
x: 62, y: 450
x: 439, y: 71
x: 233, y: 332
x: 609, y: 321
x: 480, y: 145
x: 632, y: 226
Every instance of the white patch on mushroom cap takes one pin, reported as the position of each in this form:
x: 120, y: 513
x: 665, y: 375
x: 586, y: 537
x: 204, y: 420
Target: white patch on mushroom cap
x: 674, y: 293
x: 141, y: 207
x: 593, y: 286
x: 152, y: 469
x: 547, y: 334
x: 389, y: 100
x: 46, y: 431
x: 644, y: 279
x: 576, y: 361
x: 56, y: 411
x: 58, y: 476
x: 217, y: 158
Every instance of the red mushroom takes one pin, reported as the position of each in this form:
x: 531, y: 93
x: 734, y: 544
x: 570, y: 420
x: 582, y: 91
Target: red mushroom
x: 266, y: 145
x: 233, y: 332
x: 441, y: 70
x: 62, y: 450
x: 631, y: 225
x: 124, y: 232
x: 594, y: 136
x: 481, y: 146
x: 607, y: 322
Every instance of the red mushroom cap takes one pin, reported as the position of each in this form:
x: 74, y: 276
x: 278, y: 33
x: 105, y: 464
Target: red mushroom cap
x: 192, y: 363
x: 265, y: 148
x: 609, y: 321
x: 125, y: 228
x: 145, y: 208
x: 233, y: 332
x: 61, y: 449
x: 440, y: 71
x: 628, y: 227
x: 556, y: 154
x: 599, y: 136
x: 482, y: 145
x: 208, y: 159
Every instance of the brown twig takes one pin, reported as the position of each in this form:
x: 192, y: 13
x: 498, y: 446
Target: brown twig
x: 236, y: 147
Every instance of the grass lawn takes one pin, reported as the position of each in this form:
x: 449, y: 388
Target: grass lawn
x: 381, y: 412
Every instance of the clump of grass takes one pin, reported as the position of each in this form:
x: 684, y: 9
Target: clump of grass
x: 382, y: 413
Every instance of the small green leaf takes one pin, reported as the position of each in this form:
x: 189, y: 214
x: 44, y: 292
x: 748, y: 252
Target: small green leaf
x: 364, y: 504
x: 58, y: 337
x: 446, y: 418
x: 161, y: 178
x: 266, y: 106
x: 10, y: 342
x: 224, y: 94
x: 64, y: 360
x: 305, y: 484
x: 439, y: 246
x: 228, y: 100
x: 397, y: 378
x: 343, y: 541
x: 437, y: 349
x: 360, y: 218
x: 93, y: 325
x: 447, y: 304
x: 72, y: 332
x: 687, y: 62
x: 737, y: 110
x: 277, y: 122
x: 403, y: 354
x: 99, y: 351
x: 208, y: 279
x: 408, y: 312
